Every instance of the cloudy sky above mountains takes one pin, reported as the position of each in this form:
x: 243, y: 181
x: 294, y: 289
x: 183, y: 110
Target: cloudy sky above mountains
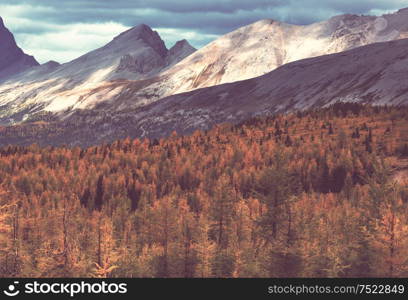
x: 62, y: 30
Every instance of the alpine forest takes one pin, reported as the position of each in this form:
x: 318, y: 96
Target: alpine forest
x: 319, y: 193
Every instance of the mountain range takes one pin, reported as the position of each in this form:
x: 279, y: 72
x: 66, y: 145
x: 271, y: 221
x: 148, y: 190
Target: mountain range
x: 135, y: 86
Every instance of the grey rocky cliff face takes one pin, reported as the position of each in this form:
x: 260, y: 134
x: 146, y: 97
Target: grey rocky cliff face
x: 151, y: 53
x: 147, y: 35
x: 141, y: 63
x: 12, y: 59
x: 158, y: 57
x: 179, y: 51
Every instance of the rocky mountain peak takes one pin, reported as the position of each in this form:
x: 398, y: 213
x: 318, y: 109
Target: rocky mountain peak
x: 181, y: 46
x: 403, y: 11
x: 179, y: 51
x: 12, y: 60
x: 52, y: 63
x: 146, y: 34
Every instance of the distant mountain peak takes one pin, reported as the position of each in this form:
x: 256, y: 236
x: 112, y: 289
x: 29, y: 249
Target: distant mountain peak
x: 141, y: 31
x: 52, y: 63
x: 12, y: 60
x: 403, y: 11
x: 182, y: 44
x: 265, y: 22
x: 145, y: 33
x: 179, y: 51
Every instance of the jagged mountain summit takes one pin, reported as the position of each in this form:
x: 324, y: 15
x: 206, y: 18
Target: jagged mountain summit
x: 12, y: 59
x: 178, y: 52
x: 372, y: 74
x: 136, y: 54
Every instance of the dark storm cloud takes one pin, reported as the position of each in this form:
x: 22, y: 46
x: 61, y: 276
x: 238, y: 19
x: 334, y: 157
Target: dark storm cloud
x: 177, y: 6
x: 211, y: 16
x: 205, y: 18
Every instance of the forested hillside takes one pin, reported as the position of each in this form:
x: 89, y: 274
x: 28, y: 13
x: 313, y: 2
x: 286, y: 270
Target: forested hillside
x: 316, y: 194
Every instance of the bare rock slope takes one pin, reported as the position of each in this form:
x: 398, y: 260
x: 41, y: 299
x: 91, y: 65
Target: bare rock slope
x: 12, y: 59
x: 136, y: 54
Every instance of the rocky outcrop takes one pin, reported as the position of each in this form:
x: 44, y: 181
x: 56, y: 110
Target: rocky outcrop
x: 12, y: 59
x: 178, y: 52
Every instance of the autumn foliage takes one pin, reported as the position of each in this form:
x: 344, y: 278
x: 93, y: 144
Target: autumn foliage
x: 314, y: 194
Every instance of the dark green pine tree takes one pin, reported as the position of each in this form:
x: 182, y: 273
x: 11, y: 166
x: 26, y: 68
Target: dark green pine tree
x: 324, y: 182
x: 288, y: 141
x: 404, y: 151
x: 331, y: 131
x: 86, y: 196
x: 134, y: 196
x: 99, y: 193
x: 368, y: 142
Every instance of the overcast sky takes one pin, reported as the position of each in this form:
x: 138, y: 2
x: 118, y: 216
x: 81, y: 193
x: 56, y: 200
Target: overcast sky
x: 62, y: 30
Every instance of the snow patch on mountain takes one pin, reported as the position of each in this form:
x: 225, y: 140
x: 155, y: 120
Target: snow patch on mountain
x: 135, y: 54
x: 265, y: 45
